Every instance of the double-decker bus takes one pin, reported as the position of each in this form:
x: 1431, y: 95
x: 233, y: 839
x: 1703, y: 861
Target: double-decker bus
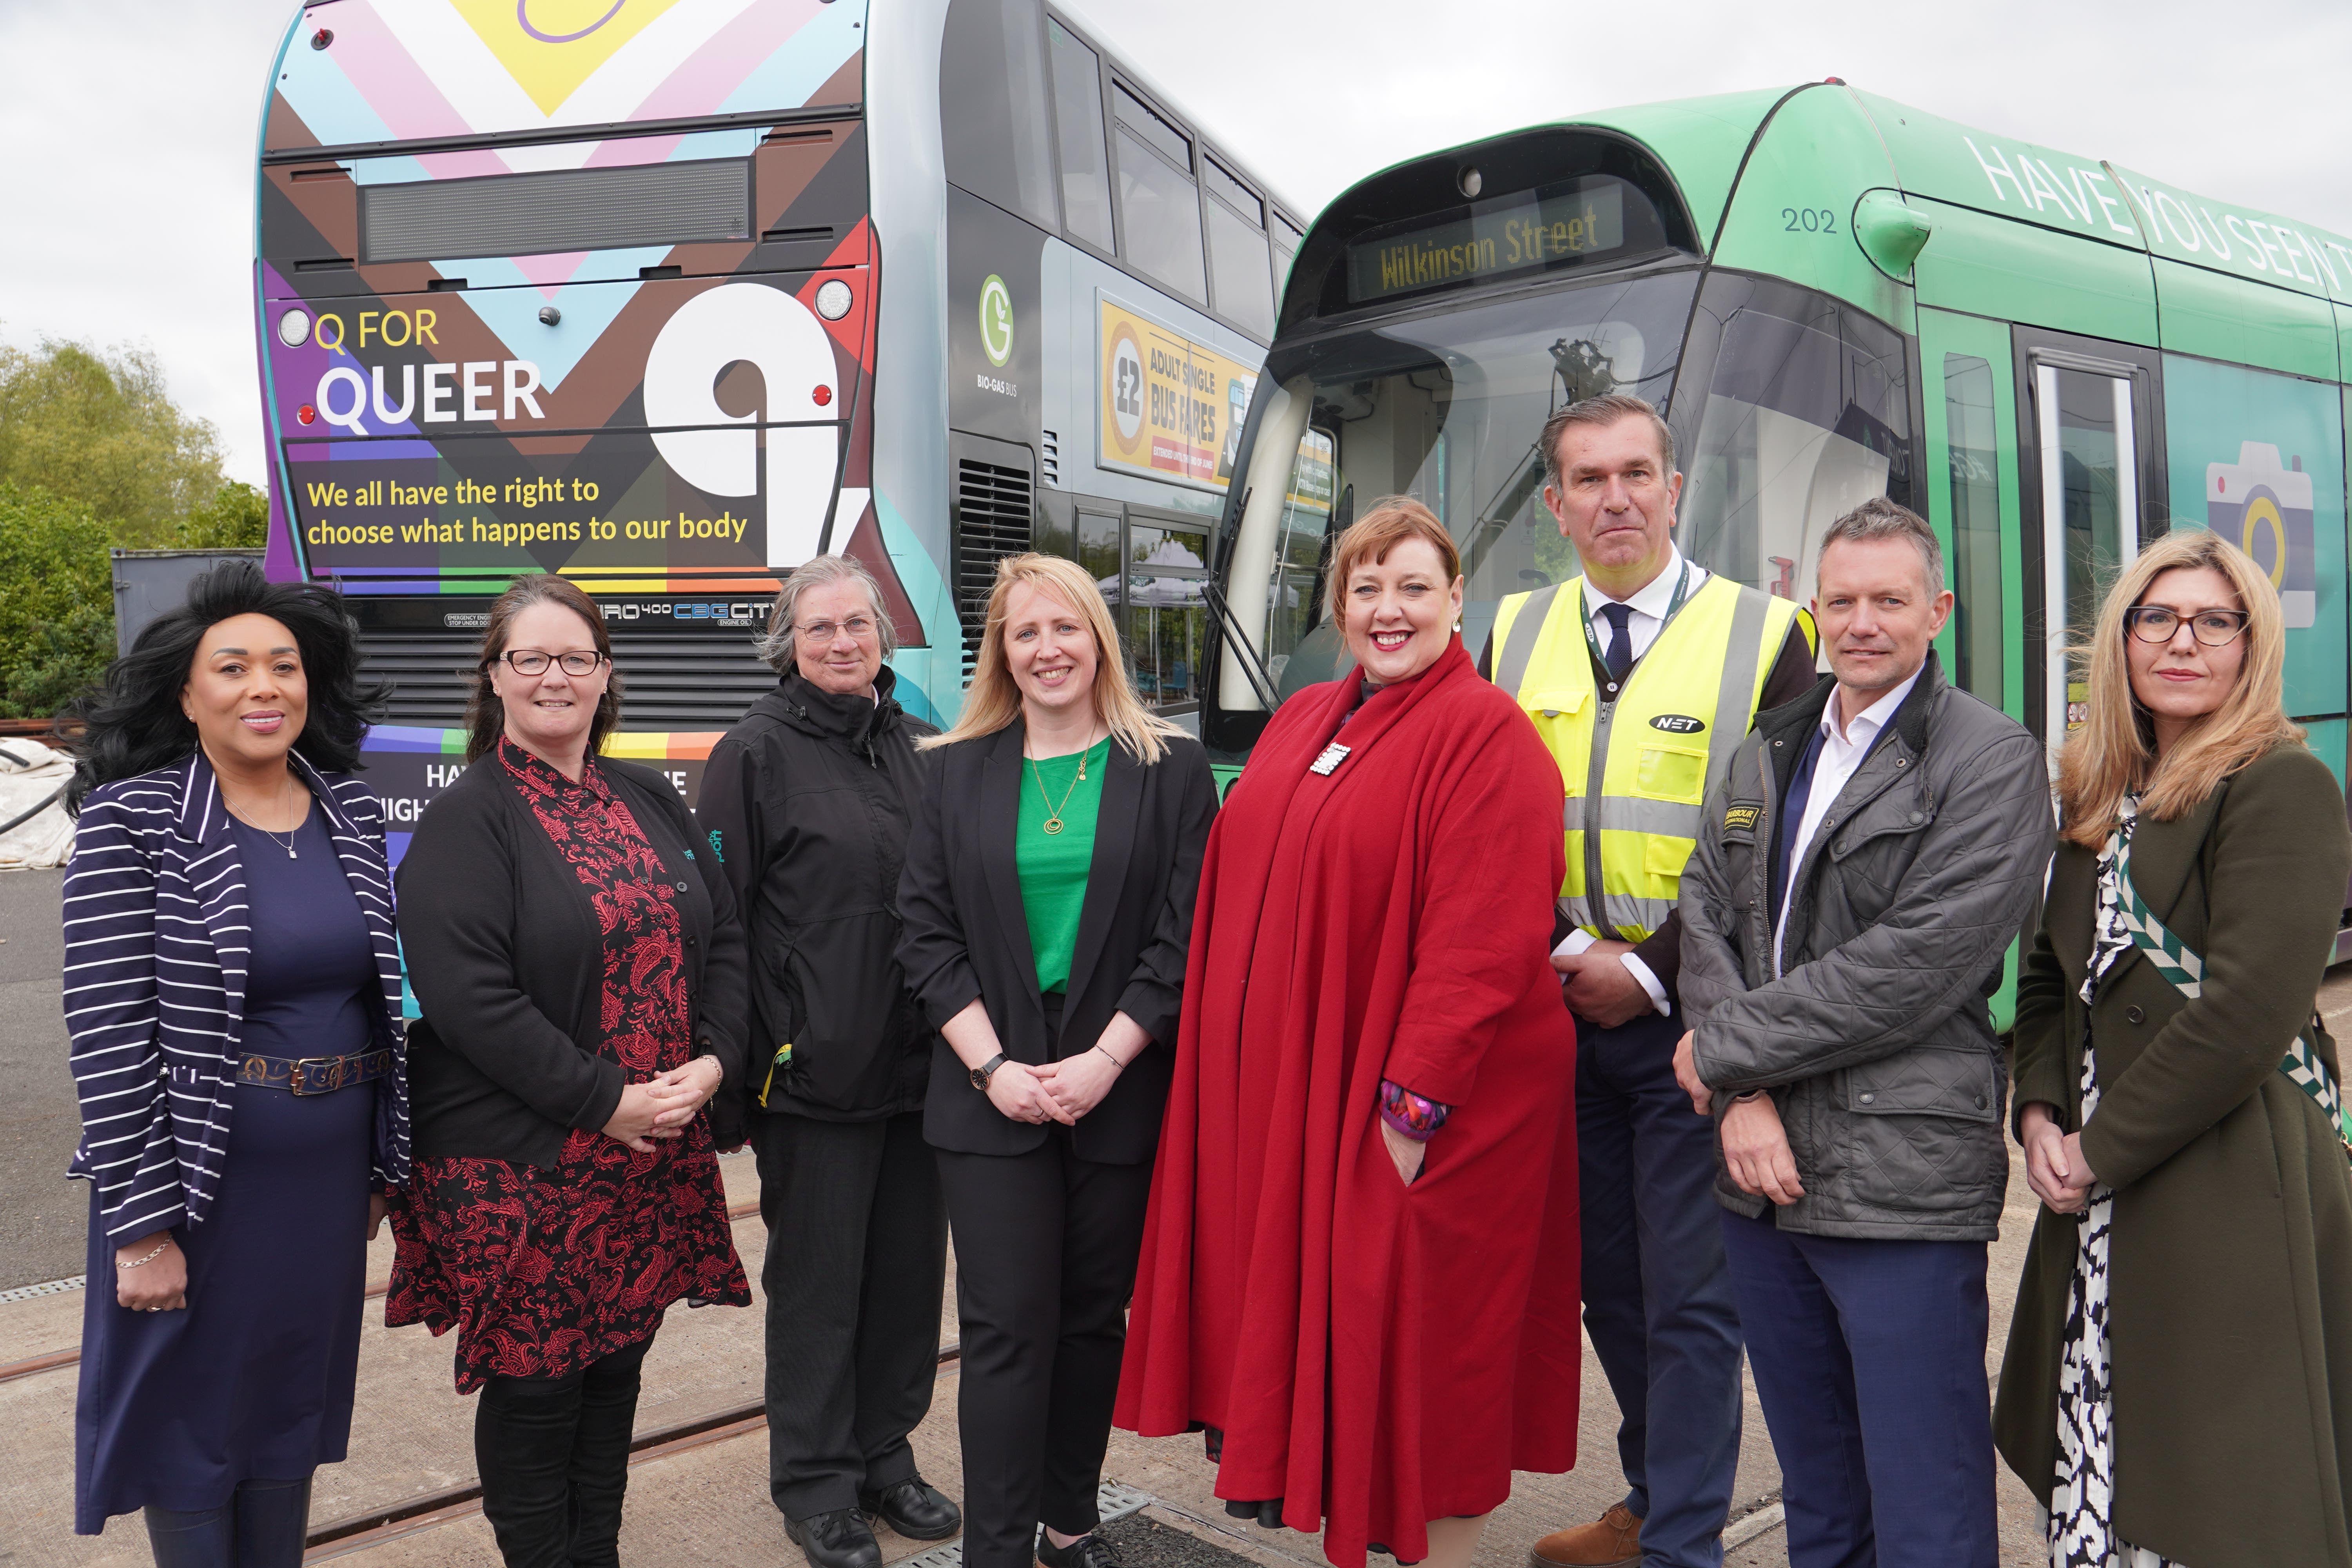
x: 1832, y: 297
x: 668, y: 296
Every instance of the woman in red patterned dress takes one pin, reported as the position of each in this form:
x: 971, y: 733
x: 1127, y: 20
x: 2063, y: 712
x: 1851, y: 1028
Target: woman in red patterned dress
x: 582, y: 982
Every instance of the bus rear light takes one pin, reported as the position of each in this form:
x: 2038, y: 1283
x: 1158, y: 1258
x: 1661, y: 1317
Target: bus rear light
x: 307, y: 414
x: 294, y: 329
x: 833, y: 300
x: 822, y: 395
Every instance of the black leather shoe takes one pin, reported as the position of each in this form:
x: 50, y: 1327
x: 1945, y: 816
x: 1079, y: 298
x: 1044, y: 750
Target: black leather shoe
x: 840, y: 1539
x: 915, y: 1509
x: 1088, y: 1551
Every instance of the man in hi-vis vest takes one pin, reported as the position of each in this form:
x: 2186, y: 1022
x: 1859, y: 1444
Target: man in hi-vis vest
x: 1643, y: 676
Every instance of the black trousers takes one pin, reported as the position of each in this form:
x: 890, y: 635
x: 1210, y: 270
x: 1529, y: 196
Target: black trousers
x: 554, y: 1456
x: 1045, y: 1253
x: 857, y: 1257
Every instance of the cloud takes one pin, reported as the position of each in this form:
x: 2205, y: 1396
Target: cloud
x: 132, y: 126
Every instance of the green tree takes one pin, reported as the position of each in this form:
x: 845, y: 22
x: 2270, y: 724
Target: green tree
x: 100, y: 428
x: 57, y: 599
x: 237, y: 518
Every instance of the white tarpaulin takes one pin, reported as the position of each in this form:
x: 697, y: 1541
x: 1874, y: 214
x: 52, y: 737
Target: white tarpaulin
x: 33, y: 827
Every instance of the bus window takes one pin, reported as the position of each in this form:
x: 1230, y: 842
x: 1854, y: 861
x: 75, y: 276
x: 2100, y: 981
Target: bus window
x: 1078, y: 126
x: 1807, y: 415
x: 1167, y: 621
x: 1160, y: 208
x: 992, y: 107
x: 1286, y: 241
x: 1099, y: 551
x: 703, y: 199
x: 1443, y: 406
x: 1238, y: 264
x: 1976, y: 525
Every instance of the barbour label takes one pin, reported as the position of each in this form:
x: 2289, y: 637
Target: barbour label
x: 1742, y: 818
x: 1677, y: 723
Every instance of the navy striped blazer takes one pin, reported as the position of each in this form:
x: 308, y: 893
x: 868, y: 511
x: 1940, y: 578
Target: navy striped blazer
x: 157, y: 938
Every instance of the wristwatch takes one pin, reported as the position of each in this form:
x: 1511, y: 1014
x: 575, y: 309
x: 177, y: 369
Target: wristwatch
x: 985, y: 1070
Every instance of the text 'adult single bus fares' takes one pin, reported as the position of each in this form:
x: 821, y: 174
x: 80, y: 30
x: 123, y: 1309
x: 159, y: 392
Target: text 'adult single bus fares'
x: 598, y: 287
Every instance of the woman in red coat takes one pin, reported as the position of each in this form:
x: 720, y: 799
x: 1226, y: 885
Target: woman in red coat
x: 1360, y: 1269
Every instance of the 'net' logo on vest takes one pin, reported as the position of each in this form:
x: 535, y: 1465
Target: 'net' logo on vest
x: 1678, y: 723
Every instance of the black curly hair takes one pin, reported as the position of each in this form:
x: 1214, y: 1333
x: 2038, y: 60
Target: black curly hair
x: 135, y: 723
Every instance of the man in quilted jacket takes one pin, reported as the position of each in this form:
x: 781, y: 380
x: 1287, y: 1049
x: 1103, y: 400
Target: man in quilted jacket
x: 1859, y: 875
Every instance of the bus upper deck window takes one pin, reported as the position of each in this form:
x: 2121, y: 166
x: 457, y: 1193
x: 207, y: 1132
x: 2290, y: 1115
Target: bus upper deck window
x: 992, y: 106
x: 1078, y: 128
x: 1159, y: 206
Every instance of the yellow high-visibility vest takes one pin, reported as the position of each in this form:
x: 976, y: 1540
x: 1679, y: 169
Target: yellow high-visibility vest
x: 1638, y: 769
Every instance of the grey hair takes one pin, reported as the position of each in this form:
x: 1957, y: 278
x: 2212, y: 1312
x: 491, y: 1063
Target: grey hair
x: 1603, y: 411
x: 777, y: 647
x: 1879, y: 518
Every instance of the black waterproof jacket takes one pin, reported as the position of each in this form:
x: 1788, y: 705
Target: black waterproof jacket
x: 806, y: 804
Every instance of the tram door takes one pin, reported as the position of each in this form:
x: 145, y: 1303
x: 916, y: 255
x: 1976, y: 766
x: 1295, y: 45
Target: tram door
x: 1968, y: 406
x: 2091, y: 454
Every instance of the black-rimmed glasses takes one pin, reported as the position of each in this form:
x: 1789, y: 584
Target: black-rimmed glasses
x: 531, y: 661
x: 2157, y: 623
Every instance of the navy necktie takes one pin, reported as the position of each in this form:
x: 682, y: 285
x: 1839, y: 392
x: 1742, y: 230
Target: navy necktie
x: 1618, y: 657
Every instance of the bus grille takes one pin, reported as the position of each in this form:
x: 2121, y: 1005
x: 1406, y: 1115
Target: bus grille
x: 993, y: 509
x: 673, y: 681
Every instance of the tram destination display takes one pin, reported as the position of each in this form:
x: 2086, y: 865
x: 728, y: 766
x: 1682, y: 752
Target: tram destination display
x: 1508, y: 234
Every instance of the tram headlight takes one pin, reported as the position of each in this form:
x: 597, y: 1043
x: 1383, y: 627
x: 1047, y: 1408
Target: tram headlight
x: 833, y: 300
x: 294, y: 329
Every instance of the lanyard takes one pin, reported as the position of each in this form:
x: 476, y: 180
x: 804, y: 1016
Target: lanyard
x: 1592, y: 641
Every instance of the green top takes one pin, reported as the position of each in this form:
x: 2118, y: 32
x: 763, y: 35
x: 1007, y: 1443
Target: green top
x: 1053, y: 865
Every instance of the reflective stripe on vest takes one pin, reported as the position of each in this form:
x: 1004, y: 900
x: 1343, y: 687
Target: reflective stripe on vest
x: 1635, y: 798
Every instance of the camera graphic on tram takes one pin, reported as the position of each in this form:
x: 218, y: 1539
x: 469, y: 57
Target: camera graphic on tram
x: 2264, y: 508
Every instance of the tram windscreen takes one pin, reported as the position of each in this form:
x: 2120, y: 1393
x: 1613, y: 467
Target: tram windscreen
x: 1445, y: 406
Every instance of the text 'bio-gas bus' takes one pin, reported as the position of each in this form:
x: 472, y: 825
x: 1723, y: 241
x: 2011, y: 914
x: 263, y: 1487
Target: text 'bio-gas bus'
x: 1832, y: 297
x: 671, y: 295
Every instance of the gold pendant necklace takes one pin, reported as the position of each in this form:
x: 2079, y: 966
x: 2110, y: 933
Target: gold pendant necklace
x: 1053, y: 813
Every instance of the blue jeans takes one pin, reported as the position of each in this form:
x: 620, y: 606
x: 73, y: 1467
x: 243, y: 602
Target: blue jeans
x: 1658, y: 1301
x: 1870, y: 1360
x: 263, y: 1525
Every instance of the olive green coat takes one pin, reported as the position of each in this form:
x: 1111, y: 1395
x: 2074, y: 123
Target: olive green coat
x: 2229, y: 1317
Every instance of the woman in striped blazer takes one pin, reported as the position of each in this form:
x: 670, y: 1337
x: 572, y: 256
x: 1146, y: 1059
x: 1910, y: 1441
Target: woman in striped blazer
x: 232, y: 987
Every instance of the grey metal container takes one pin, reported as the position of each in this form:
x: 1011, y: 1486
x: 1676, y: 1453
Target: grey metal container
x: 148, y: 581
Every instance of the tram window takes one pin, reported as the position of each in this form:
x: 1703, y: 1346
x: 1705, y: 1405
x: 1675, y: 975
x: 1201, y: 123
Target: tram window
x: 992, y: 107
x: 1239, y: 267
x: 1806, y: 417
x: 1160, y: 207
x: 1976, y: 524
x: 1078, y: 126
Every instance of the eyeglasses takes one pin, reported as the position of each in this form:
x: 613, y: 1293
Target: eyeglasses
x: 531, y: 661
x: 2156, y: 624
x: 817, y: 632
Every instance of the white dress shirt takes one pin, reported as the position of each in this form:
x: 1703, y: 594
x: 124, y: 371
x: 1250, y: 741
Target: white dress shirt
x: 1649, y: 604
x: 1842, y: 754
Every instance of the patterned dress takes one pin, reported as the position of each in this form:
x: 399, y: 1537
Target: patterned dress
x: 544, y: 1272
x: 2081, y: 1531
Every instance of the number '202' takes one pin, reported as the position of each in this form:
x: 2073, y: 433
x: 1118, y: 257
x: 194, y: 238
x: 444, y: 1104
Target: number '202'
x: 1810, y: 220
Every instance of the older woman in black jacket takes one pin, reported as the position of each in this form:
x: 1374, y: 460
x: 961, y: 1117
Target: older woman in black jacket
x: 1048, y: 901
x: 807, y: 803
x: 582, y: 982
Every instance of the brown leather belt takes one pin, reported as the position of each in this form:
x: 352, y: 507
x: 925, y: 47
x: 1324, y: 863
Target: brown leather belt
x: 315, y: 1075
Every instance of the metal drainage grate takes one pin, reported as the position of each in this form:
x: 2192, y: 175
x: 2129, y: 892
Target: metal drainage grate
x: 1113, y: 1500
x: 51, y: 1288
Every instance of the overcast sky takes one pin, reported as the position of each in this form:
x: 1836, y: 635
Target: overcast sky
x: 126, y: 186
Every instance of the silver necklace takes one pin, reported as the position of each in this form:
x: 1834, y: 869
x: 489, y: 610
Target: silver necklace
x: 289, y: 799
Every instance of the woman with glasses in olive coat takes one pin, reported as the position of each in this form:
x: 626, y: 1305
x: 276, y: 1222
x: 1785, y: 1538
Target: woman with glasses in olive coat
x: 2174, y: 1387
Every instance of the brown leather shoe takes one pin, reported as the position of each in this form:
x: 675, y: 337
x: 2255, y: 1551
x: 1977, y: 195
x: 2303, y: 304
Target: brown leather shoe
x: 1613, y: 1541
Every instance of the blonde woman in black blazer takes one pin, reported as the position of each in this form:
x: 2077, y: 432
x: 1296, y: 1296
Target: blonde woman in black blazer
x: 1053, y: 971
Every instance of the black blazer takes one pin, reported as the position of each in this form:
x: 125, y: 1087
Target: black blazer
x: 505, y: 956
x: 963, y: 935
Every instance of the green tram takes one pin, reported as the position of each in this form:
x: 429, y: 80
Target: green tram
x: 1832, y: 297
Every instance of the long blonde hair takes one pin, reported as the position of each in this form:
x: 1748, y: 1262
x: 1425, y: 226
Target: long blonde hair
x: 2113, y: 753
x: 994, y: 700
